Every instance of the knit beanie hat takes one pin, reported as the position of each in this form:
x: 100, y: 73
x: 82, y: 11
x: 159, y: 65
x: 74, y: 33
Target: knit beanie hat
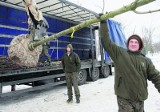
x: 138, y: 38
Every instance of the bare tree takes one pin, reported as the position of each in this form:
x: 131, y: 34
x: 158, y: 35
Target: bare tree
x: 148, y: 38
x: 156, y: 46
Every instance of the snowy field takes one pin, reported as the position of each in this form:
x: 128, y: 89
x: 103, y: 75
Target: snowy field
x: 95, y: 97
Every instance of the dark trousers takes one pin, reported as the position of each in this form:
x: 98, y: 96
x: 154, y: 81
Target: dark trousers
x: 126, y: 105
x: 45, y: 53
x: 71, y: 79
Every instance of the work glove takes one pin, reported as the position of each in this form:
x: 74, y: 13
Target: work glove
x: 40, y: 23
x: 95, y: 27
x: 99, y: 15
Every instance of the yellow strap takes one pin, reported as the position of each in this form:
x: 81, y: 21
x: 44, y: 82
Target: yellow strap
x: 73, y: 32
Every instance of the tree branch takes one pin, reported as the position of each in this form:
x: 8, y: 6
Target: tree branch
x: 146, y: 12
x: 130, y: 7
x: 134, y: 4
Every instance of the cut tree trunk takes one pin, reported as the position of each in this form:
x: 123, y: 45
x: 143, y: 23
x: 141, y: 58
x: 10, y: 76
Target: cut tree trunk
x: 20, y: 54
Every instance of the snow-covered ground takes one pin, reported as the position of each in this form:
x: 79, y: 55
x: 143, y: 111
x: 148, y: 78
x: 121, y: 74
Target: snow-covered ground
x: 152, y: 104
x: 96, y: 96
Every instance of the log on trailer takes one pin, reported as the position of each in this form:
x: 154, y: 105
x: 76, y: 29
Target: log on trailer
x: 19, y: 52
x: 111, y: 14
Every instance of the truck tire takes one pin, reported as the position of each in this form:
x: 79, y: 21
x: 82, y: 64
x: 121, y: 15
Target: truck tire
x: 82, y: 77
x: 105, y: 71
x: 95, y: 74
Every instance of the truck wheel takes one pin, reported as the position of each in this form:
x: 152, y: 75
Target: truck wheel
x: 105, y: 71
x: 95, y: 74
x: 82, y: 77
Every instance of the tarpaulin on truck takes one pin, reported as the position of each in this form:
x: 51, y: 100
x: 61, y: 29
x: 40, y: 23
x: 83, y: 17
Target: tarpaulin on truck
x: 116, y: 35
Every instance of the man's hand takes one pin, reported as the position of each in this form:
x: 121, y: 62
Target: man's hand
x: 40, y: 22
x: 99, y: 15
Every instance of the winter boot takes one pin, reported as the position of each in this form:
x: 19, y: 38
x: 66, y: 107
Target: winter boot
x: 13, y: 87
x: 70, y: 100
x: 50, y: 64
x: 77, y: 99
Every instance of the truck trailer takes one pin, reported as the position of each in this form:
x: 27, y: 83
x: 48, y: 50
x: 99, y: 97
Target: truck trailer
x: 60, y: 15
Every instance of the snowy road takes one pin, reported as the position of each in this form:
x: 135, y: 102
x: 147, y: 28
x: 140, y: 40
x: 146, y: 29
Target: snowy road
x: 95, y: 97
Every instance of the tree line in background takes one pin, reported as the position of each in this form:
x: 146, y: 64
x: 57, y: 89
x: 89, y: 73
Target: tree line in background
x: 156, y: 46
x: 150, y: 46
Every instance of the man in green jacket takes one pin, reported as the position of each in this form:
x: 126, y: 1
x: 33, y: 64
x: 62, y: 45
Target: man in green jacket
x: 71, y: 66
x: 131, y: 71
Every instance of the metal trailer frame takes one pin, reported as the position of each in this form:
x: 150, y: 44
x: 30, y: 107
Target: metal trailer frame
x: 43, y: 75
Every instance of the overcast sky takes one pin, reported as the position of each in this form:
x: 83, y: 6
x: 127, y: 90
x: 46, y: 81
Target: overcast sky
x: 131, y: 22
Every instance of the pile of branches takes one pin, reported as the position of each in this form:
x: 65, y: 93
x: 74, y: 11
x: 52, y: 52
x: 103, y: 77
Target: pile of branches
x: 7, y: 65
